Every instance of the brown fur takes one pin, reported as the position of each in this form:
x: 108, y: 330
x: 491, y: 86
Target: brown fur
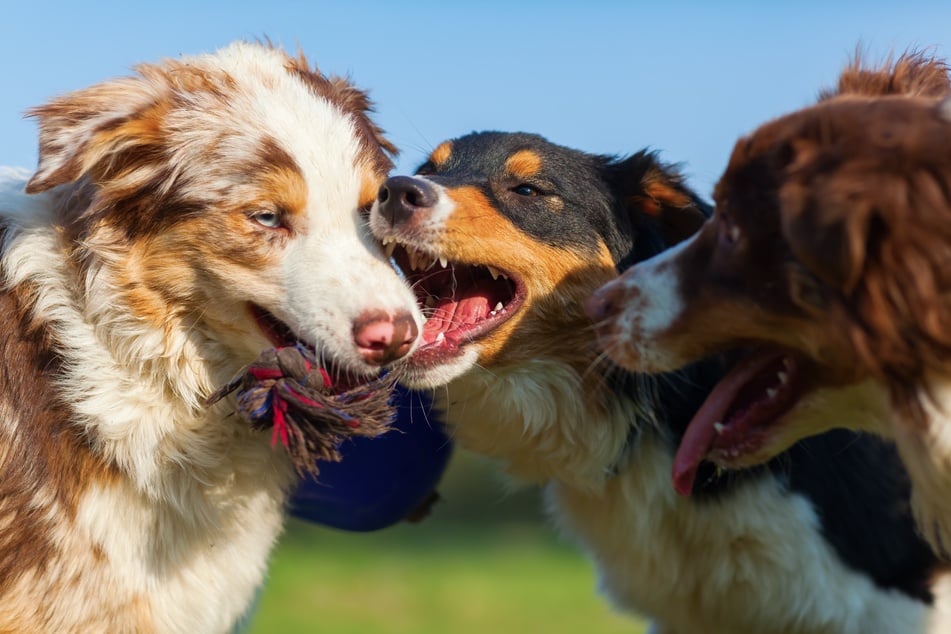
x: 832, y: 239
x: 60, y: 462
x: 914, y: 74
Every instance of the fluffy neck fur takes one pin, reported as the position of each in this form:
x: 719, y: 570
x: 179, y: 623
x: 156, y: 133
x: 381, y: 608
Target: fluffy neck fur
x: 541, y: 422
x: 143, y: 427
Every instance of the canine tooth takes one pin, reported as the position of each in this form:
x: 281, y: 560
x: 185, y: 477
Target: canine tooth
x: 497, y: 308
x: 783, y: 377
x: 430, y: 301
x: 495, y: 273
x: 389, y: 247
x: 771, y: 393
x: 443, y: 262
x: 719, y: 427
x: 440, y: 337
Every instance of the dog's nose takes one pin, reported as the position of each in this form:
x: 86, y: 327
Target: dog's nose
x: 383, y: 338
x: 604, y: 302
x: 402, y: 197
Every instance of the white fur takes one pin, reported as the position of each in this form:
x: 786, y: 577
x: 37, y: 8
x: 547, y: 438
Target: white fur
x: 657, y: 305
x: 926, y: 454
x: 754, y: 562
x: 186, y: 530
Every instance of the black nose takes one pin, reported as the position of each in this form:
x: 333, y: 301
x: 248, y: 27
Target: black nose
x: 402, y: 197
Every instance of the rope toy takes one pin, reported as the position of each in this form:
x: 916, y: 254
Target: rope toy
x: 286, y: 390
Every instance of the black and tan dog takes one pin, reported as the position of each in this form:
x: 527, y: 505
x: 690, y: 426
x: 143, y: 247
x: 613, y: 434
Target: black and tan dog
x: 503, y: 237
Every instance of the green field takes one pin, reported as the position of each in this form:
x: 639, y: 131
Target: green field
x: 484, y: 562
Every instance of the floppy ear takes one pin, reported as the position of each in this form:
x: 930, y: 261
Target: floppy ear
x: 827, y: 230
x: 661, y: 208
x: 80, y: 129
x: 353, y: 101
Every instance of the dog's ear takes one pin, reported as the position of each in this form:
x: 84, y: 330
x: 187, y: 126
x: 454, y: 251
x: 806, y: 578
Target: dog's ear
x: 84, y: 128
x: 661, y: 208
x: 827, y: 229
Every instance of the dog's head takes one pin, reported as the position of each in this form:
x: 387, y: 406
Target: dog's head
x: 504, y: 235
x: 220, y: 201
x: 824, y: 230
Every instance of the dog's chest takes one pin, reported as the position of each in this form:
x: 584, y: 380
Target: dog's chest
x: 195, y: 560
x: 754, y: 561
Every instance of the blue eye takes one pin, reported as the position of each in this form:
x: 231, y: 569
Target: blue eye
x: 267, y: 219
x: 524, y: 189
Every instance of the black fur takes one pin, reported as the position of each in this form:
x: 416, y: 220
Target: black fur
x: 856, y: 483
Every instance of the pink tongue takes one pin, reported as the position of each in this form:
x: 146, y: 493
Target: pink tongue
x: 451, y: 316
x: 699, y: 437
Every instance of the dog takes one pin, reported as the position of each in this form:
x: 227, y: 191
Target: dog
x: 826, y: 259
x: 503, y: 237
x: 179, y: 222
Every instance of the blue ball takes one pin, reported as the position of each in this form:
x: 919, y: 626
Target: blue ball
x: 381, y: 480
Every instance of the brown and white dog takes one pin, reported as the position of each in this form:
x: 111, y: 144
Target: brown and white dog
x: 180, y: 222
x: 503, y: 236
x: 830, y: 255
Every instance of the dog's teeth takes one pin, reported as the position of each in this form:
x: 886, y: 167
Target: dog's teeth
x: 783, y: 377
x: 417, y: 260
x: 498, y: 307
x: 494, y: 273
x: 443, y: 262
x: 771, y: 393
x: 440, y: 337
x: 719, y: 427
x: 389, y: 247
x: 430, y: 301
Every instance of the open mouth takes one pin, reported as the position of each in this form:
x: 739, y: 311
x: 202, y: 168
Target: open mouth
x: 462, y: 302
x: 736, y: 416
x: 336, y: 379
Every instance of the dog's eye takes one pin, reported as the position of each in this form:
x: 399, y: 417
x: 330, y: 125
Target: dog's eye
x: 267, y: 219
x: 524, y: 189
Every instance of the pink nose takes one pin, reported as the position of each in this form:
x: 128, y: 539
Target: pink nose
x: 383, y: 338
x: 604, y: 302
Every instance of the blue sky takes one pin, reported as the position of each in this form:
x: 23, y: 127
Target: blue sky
x: 685, y: 78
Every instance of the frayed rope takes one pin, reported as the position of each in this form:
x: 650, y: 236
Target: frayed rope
x: 287, y: 391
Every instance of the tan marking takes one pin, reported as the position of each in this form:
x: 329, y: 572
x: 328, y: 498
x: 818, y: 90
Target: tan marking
x: 661, y: 193
x: 551, y: 322
x: 284, y: 189
x: 369, y: 187
x: 441, y: 154
x: 524, y: 164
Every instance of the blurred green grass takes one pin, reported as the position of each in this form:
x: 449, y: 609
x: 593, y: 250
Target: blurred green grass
x: 485, y: 560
